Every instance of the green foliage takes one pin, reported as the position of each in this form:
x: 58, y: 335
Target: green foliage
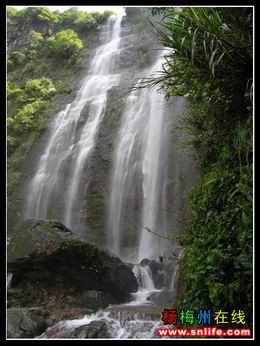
x: 26, y: 54
x: 210, y: 38
x: 32, y: 98
x: 16, y: 59
x: 11, y: 13
x: 24, y: 119
x: 210, y: 63
x: 159, y: 10
x: 28, y: 101
x: 35, y: 40
x: 69, y: 16
x: 72, y: 18
x: 64, y: 44
x: 36, y: 15
x: 82, y: 21
x: 102, y: 17
x: 85, y: 21
x: 35, y: 88
x: 221, y: 233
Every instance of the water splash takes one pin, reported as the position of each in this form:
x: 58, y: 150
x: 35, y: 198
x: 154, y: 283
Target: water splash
x: 120, y: 325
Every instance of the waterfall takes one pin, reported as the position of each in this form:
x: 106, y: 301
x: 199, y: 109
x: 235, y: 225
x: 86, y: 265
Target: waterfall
x: 140, y: 149
x: 152, y: 166
x: 146, y: 180
x: 73, y: 133
x: 143, y: 276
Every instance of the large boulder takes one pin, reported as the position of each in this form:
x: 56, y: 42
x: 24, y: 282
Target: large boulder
x: 25, y: 322
x: 44, y: 253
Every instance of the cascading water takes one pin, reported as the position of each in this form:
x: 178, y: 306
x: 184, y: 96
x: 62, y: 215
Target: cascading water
x: 119, y: 325
x: 139, y: 172
x: 72, y: 139
x: 144, y: 276
x: 140, y: 148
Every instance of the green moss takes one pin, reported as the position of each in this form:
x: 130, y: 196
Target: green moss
x: 114, y: 105
x: 47, y: 224
x: 22, y: 243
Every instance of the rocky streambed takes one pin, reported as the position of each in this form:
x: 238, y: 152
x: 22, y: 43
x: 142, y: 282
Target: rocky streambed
x: 57, y: 276
x: 62, y: 286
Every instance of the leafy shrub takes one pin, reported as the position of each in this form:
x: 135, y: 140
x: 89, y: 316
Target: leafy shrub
x: 68, y: 17
x: 27, y: 101
x: 17, y: 58
x: 36, y: 15
x: 64, y: 44
x: 25, y: 118
x: 35, y: 41
x: 85, y: 22
x: 102, y: 17
x: 11, y: 13
x: 39, y: 88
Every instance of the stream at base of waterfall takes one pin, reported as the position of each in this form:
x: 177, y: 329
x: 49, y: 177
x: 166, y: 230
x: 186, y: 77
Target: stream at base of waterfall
x: 138, y: 319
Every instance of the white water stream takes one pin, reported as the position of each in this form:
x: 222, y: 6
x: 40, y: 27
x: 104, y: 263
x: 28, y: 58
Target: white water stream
x: 140, y: 159
x: 66, y: 144
x: 121, y: 321
x: 140, y: 149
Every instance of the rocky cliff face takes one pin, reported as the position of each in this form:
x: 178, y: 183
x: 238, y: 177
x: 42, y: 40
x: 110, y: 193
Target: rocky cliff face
x: 18, y: 35
x: 137, y: 51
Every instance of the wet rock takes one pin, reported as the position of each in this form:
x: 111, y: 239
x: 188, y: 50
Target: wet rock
x: 66, y: 313
x: 9, y: 280
x: 98, y: 329
x: 96, y: 299
x: 25, y: 322
x: 47, y: 254
x: 95, y: 329
x: 18, y: 35
x: 158, y: 272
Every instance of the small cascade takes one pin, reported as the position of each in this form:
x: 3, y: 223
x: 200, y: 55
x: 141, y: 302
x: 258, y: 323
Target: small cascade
x: 138, y: 319
x: 143, y: 275
x: 119, y: 325
x: 144, y: 278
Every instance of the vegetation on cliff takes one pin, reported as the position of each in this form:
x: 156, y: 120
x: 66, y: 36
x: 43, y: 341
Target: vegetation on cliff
x: 210, y: 62
x: 45, y: 56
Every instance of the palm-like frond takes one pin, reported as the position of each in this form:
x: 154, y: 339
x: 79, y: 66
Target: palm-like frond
x: 203, y: 36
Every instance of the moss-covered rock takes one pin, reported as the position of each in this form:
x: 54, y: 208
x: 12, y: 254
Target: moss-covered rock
x: 44, y: 254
